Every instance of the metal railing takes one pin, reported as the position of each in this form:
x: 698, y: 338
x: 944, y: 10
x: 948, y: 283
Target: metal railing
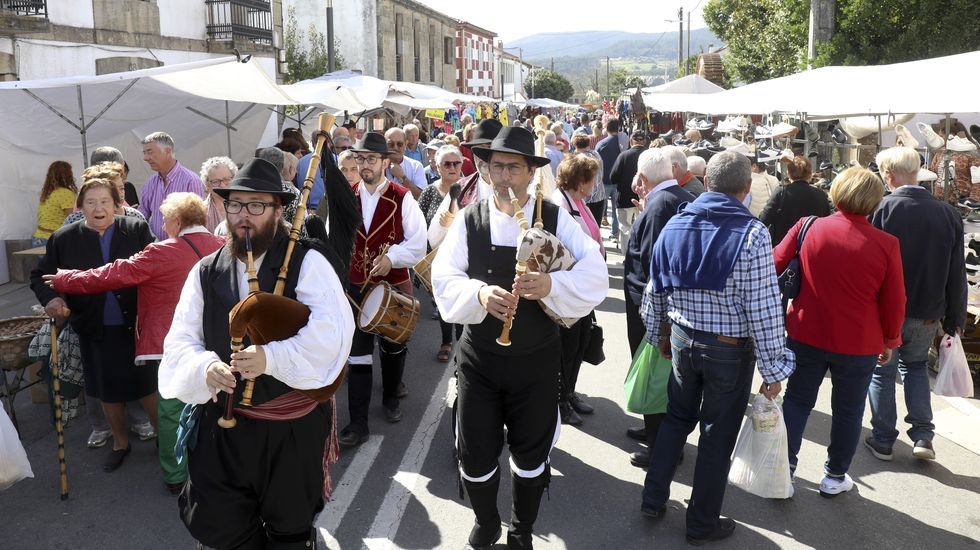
x: 37, y: 8
x: 232, y: 20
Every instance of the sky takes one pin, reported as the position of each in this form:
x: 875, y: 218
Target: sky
x: 511, y: 19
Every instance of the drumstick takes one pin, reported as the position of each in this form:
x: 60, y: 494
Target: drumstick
x: 384, y: 250
x: 59, y: 426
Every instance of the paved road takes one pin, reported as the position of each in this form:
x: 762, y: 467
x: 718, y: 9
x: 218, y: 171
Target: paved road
x: 399, y: 489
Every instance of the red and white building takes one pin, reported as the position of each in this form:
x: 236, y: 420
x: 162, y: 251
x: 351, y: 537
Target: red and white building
x: 475, y: 61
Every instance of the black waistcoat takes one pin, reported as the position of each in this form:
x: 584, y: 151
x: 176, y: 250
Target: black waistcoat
x: 219, y: 281
x: 496, y: 265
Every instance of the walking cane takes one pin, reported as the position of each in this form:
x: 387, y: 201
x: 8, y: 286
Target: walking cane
x: 58, y: 424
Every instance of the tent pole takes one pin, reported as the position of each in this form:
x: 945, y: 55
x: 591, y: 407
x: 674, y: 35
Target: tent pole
x: 227, y: 128
x: 947, y: 156
x: 83, y: 129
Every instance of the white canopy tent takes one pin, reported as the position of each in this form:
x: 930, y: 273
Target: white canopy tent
x: 210, y: 107
x: 677, y: 95
x: 545, y: 103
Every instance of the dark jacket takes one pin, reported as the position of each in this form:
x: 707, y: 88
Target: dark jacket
x: 74, y: 246
x: 636, y: 264
x: 788, y: 204
x: 930, y: 235
x: 622, y: 175
x: 608, y: 149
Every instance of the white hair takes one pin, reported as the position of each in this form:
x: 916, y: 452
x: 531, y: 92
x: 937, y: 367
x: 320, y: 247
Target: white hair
x: 445, y: 150
x: 289, y: 163
x: 215, y: 162
x: 550, y: 138
x: 901, y: 160
x: 697, y: 165
x: 410, y: 128
x: 675, y: 155
x: 655, y: 166
x: 160, y: 138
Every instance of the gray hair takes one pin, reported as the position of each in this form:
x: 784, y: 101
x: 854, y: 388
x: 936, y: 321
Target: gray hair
x: 410, y: 128
x: 341, y: 138
x: 289, y: 162
x: 697, y: 165
x: 344, y: 155
x: 728, y: 173
x: 215, y: 162
x: 447, y: 150
x: 106, y: 154
x: 550, y: 138
x: 655, y: 166
x: 675, y: 155
x: 160, y: 138
x: 273, y: 155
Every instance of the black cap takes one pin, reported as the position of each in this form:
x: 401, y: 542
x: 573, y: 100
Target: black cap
x: 639, y: 136
x: 485, y: 132
x: 257, y: 176
x: 516, y: 141
x: 372, y: 142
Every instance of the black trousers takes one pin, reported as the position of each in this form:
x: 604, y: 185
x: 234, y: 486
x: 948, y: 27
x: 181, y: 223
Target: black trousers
x: 597, y: 209
x: 259, y: 481
x: 574, y: 340
x: 497, y: 391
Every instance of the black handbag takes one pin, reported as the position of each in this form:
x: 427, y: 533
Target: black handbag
x: 792, y: 277
x: 593, y: 352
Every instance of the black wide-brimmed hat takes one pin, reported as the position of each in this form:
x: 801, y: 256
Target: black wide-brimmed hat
x: 516, y: 141
x: 372, y: 142
x: 485, y: 132
x: 256, y: 176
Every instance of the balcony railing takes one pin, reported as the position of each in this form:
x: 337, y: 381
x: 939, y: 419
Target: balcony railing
x: 235, y: 20
x: 37, y: 8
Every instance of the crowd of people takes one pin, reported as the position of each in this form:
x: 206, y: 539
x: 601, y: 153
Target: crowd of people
x: 146, y: 283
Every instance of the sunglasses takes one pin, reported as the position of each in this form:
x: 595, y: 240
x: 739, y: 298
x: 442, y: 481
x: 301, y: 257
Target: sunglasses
x: 452, y: 163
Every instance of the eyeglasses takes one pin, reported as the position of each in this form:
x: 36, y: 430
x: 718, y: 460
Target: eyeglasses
x: 396, y: 144
x: 254, y: 208
x: 512, y: 169
x: 452, y: 163
x: 220, y: 182
x: 370, y: 161
x: 340, y: 148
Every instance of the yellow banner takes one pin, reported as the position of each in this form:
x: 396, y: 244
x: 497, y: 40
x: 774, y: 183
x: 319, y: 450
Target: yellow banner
x: 502, y: 115
x: 435, y: 113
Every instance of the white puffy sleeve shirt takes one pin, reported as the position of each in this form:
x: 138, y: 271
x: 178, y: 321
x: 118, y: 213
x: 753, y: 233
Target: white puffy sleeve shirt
x: 311, y: 359
x: 574, y: 293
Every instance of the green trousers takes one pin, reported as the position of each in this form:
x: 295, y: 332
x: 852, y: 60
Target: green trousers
x: 168, y: 414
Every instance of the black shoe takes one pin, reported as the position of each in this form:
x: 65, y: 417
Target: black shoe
x: 877, y: 449
x: 724, y: 529
x: 654, y: 513
x: 402, y: 391
x: 568, y: 414
x: 393, y: 414
x: 639, y: 433
x: 519, y: 541
x: 580, y: 406
x: 115, y: 459
x: 351, y: 438
x: 470, y: 545
x: 923, y: 450
x: 640, y: 459
x: 174, y: 488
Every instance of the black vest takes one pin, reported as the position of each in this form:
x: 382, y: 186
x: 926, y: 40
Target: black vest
x: 497, y: 265
x: 219, y: 281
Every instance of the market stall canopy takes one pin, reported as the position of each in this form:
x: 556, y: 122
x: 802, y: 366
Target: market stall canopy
x: 209, y: 107
x: 545, y: 103
x: 690, y: 84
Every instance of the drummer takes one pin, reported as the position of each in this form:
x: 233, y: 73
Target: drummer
x: 391, y: 239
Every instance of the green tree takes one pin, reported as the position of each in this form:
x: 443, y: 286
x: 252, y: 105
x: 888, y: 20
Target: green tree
x: 620, y: 79
x: 550, y: 85
x: 306, y: 51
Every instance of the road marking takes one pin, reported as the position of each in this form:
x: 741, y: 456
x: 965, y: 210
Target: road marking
x: 346, y: 489
x: 403, y: 485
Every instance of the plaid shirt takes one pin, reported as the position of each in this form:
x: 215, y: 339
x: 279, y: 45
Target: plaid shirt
x: 748, y: 306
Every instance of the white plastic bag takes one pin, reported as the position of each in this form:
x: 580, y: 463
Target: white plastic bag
x: 14, y: 465
x: 954, y: 378
x: 761, y: 461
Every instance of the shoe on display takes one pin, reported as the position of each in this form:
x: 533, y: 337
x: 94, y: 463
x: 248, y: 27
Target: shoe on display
x: 98, y: 438
x: 926, y: 175
x: 833, y: 486
x: 879, y: 451
x: 932, y: 138
x: 923, y: 450
x: 905, y: 138
x: 960, y: 145
x: 839, y: 136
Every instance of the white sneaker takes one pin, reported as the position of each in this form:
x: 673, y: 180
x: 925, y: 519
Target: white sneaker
x: 145, y: 431
x: 932, y: 138
x: 832, y: 486
x: 98, y: 438
x: 960, y: 145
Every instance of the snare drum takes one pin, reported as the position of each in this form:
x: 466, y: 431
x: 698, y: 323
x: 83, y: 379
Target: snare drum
x: 388, y: 313
x: 424, y: 269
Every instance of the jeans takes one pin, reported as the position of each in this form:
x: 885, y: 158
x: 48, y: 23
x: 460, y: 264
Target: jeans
x: 910, y: 360
x: 710, y: 384
x: 611, y: 193
x: 850, y: 376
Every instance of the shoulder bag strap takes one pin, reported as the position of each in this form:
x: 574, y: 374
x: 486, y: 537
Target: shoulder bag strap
x: 802, y: 234
x: 196, y: 251
x: 571, y: 206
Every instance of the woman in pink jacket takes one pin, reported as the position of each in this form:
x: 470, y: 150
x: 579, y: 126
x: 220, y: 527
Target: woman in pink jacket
x: 158, y: 272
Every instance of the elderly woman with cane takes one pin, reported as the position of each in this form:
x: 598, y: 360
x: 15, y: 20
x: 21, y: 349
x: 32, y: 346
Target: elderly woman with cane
x: 158, y: 273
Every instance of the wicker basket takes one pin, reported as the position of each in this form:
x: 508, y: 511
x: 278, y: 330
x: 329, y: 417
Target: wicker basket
x: 15, y: 335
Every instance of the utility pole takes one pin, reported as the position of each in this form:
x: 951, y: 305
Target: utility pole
x: 688, y: 62
x: 596, y: 88
x: 330, y: 53
x: 680, y: 40
x: 552, y: 64
x: 608, y: 87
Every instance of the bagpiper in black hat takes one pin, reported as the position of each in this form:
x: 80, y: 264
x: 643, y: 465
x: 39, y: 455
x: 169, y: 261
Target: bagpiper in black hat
x: 256, y: 176
x: 516, y: 141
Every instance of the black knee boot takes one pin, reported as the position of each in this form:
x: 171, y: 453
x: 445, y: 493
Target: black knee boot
x: 527, y: 500
x: 359, y: 397
x: 392, y: 369
x: 483, y: 499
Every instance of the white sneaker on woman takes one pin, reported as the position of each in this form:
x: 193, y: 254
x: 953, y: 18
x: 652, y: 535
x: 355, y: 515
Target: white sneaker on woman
x: 833, y: 486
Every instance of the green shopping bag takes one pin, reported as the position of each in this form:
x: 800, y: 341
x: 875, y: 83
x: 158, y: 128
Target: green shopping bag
x: 646, y: 381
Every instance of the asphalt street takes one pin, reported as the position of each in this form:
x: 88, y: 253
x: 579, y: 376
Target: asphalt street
x: 399, y: 489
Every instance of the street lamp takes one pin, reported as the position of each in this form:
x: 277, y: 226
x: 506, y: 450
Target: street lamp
x: 330, y: 52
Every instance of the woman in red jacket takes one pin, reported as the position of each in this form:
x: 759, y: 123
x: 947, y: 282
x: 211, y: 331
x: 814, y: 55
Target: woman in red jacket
x: 847, y: 316
x: 158, y: 272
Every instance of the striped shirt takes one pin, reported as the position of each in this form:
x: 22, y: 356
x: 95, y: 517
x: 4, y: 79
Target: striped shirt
x: 178, y: 179
x: 748, y: 306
